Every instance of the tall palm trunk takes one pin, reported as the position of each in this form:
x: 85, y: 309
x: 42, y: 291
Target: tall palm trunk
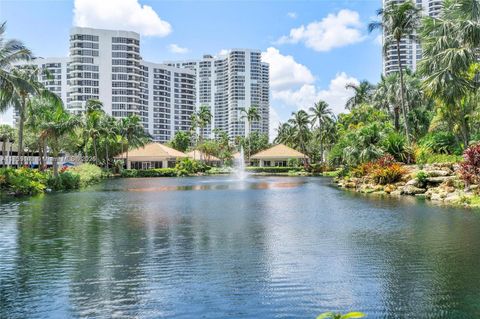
x: 106, y: 155
x: 396, y: 118
x: 402, y: 93
x: 95, y: 149
x: 4, y: 149
x: 126, y: 156
x: 465, y: 129
x: 55, y: 165
x: 20, y: 133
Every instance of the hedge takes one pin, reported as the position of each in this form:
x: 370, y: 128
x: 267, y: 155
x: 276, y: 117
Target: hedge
x: 273, y: 169
x: 157, y: 172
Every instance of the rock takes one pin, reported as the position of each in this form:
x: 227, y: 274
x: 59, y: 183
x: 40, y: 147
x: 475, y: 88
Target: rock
x: 412, y: 190
x: 389, y: 188
x: 437, y: 173
x: 349, y: 185
x: 452, y: 198
x: 412, y: 182
x: 396, y: 192
x: 438, y: 179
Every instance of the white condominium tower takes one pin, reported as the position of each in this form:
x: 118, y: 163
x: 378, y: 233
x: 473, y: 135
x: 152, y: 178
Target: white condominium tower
x: 410, y: 49
x: 227, y: 85
x: 106, y: 65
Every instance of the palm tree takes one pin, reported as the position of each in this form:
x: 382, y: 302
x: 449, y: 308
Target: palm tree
x: 204, y: 118
x: 300, y: 122
x: 133, y: 132
x: 450, y: 50
x: 24, y: 86
x: 109, y: 132
x: 321, y: 113
x: 362, y: 94
x: 92, y: 125
x: 7, y: 134
x: 385, y: 97
x: 251, y: 115
x: 284, y: 134
x: 54, y: 126
x: 398, y: 21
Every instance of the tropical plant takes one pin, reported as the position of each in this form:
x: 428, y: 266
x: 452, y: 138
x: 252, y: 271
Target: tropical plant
x: 398, y: 21
x: 181, y: 141
x: 300, y: 122
x: 362, y: 94
x: 321, y: 114
x: 7, y: 135
x: 250, y: 115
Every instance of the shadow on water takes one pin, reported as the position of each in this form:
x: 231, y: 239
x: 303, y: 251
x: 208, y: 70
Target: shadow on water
x: 270, y: 247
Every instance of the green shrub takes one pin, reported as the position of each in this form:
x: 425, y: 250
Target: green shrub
x: 395, y: 144
x: 188, y: 166
x: 156, y: 172
x: 23, y: 181
x: 422, y: 178
x: 294, y: 162
x: 441, y: 143
x: 268, y: 169
x: 423, y: 155
x: 89, y: 174
x: 64, y: 181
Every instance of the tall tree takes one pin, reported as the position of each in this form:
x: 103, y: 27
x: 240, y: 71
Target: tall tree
x: 362, y: 94
x: 250, y: 115
x: 320, y: 114
x: 300, y: 122
x: 398, y: 21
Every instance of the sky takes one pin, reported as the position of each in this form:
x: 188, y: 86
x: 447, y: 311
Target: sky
x: 314, y: 48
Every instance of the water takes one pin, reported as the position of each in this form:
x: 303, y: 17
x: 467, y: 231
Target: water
x: 279, y: 247
x: 239, y: 169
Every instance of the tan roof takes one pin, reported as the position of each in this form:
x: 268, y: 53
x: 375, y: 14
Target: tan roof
x: 278, y: 151
x: 156, y: 150
x: 200, y: 156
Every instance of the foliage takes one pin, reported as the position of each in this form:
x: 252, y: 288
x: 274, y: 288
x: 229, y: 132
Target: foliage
x: 66, y: 180
x: 470, y: 167
x: 294, y: 162
x: 272, y: 169
x: 422, y: 177
x: 188, y: 166
x: 383, y: 171
x: 181, y: 141
x: 89, y: 174
x: 395, y: 145
x: 157, y: 172
x: 23, y: 181
x: 333, y: 315
x: 441, y: 143
x: 254, y: 142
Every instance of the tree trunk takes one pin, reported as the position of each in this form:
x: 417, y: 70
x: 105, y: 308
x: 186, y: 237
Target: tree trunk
x: 402, y: 93
x: 55, y: 166
x: 396, y: 119
x: 126, y: 157
x: 106, y: 155
x: 4, y: 149
x: 20, y: 134
x: 95, y: 149
x: 465, y: 128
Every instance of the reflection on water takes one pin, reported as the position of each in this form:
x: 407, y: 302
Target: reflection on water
x: 216, y: 248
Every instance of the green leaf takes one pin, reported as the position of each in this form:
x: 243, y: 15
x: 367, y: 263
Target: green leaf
x: 353, y: 315
x: 326, y: 315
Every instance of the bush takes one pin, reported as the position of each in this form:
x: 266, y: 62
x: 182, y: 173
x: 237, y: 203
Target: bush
x: 188, y: 166
x: 470, y: 167
x: 89, y: 174
x: 64, y: 181
x: 388, y: 174
x: 156, y: 172
x: 294, y: 162
x: 441, y: 143
x: 423, y: 155
x: 273, y: 169
x: 23, y: 181
x: 422, y: 178
x: 395, y: 145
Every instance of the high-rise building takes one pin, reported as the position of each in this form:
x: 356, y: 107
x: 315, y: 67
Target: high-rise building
x: 410, y: 48
x: 227, y: 85
x: 106, y: 65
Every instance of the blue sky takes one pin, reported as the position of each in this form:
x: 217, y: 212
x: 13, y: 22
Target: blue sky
x: 314, y: 47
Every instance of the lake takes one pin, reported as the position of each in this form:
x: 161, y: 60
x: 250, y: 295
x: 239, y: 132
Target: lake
x: 214, y: 247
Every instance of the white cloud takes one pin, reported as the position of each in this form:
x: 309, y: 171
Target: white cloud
x: 292, y: 15
x: 335, y: 95
x: 224, y: 52
x: 378, y: 40
x: 285, y: 72
x: 175, y: 48
x: 333, y: 31
x: 275, y: 120
x: 7, y: 117
x: 127, y: 15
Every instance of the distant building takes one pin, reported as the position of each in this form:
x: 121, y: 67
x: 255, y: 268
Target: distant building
x: 410, y: 49
x: 277, y: 155
x: 226, y: 85
x: 152, y: 155
x: 106, y: 65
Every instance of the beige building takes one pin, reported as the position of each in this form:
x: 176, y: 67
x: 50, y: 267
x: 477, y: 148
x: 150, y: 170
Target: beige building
x: 152, y: 155
x: 277, y: 155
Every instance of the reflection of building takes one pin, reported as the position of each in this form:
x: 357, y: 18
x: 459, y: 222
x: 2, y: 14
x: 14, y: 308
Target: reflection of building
x: 152, y: 155
x: 228, y: 84
x: 277, y: 155
x: 410, y: 49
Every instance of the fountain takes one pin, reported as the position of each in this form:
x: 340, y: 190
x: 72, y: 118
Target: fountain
x: 239, y: 168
